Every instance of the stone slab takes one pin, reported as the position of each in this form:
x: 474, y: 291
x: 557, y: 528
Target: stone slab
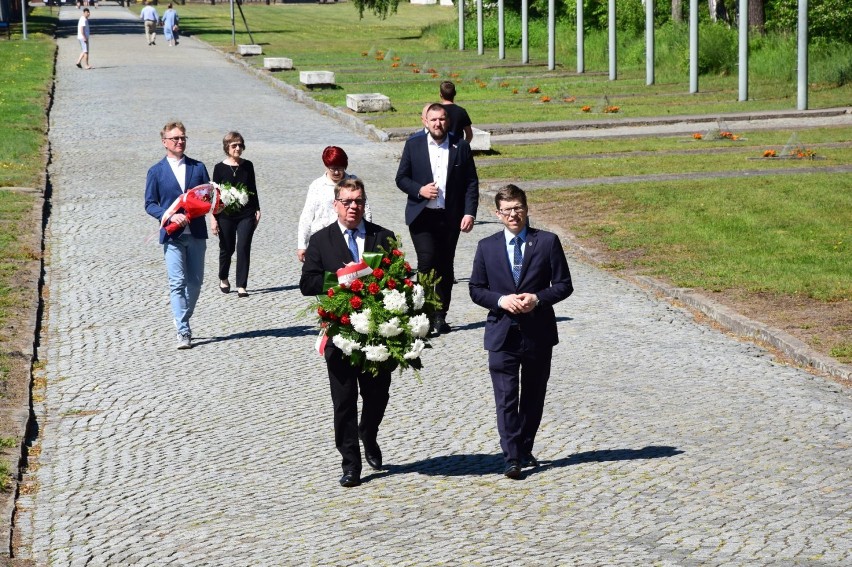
x: 316, y: 77
x: 368, y: 102
x: 249, y: 50
x: 277, y: 63
x: 429, y: 2
x: 481, y: 140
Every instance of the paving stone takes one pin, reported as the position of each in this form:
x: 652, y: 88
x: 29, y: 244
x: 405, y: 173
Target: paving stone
x: 664, y: 442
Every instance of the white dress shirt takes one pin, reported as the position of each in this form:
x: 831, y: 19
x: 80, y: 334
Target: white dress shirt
x: 439, y: 157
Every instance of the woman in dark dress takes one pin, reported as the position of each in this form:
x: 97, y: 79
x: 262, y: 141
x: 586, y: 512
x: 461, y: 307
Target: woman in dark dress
x: 236, y: 229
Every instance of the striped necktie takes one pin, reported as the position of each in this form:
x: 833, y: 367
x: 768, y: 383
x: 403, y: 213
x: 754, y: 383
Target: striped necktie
x: 519, y: 258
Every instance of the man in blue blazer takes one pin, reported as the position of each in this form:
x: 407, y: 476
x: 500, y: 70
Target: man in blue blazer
x: 518, y: 275
x: 184, y: 250
x: 438, y: 174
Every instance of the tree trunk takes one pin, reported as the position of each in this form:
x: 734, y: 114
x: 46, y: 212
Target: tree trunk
x: 757, y: 16
x: 677, y: 11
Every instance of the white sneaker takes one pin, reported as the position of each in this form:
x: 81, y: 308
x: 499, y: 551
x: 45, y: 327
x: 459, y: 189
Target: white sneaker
x: 184, y: 341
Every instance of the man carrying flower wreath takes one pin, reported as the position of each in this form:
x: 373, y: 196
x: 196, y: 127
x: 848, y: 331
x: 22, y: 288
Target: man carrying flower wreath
x: 330, y: 249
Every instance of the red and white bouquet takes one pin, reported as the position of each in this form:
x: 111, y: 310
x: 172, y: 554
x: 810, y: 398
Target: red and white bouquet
x: 375, y: 314
x: 196, y: 202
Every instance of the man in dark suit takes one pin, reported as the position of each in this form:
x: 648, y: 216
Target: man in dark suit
x: 184, y: 250
x: 329, y: 250
x: 518, y: 275
x: 438, y: 174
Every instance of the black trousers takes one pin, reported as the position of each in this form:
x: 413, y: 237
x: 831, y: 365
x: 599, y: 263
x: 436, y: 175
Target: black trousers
x: 519, y: 375
x: 235, y: 234
x: 345, y: 381
x: 435, y: 237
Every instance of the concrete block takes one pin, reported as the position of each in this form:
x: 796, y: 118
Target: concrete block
x: 277, y: 63
x: 447, y: 3
x: 249, y: 50
x: 310, y: 78
x: 368, y: 102
x: 481, y: 140
x: 424, y: 1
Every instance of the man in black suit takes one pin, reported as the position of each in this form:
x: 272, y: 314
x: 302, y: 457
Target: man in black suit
x: 518, y: 274
x: 329, y: 250
x: 438, y: 174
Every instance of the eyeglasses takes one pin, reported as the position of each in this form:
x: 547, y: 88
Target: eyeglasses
x: 337, y: 169
x: 237, y: 145
x: 349, y: 202
x: 177, y: 139
x: 511, y: 210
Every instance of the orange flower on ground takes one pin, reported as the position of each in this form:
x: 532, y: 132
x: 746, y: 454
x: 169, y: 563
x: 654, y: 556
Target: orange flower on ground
x: 415, y: 70
x: 569, y: 99
x: 533, y: 90
x: 586, y: 108
x: 454, y: 75
x: 412, y: 64
x: 613, y: 109
x: 395, y: 65
x: 504, y: 85
x: 697, y: 136
x: 431, y: 70
x: 364, y: 54
x: 434, y: 75
x: 514, y: 91
x: 770, y: 153
x: 545, y: 98
x: 396, y: 59
x: 803, y: 154
x: 380, y: 58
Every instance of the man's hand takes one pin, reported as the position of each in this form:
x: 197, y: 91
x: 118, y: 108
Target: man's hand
x: 429, y: 191
x: 300, y: 253
x: 467, y: 223
x: 519, y: 303
x: 179, y: 219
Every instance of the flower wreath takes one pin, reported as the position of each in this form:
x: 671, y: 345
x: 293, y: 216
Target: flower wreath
x: 375, y: 314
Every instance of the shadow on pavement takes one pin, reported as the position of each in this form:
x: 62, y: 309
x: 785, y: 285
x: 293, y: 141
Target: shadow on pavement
x: 481, y: 464
x: 294, y: 331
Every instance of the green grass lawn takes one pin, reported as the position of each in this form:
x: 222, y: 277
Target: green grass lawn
x: 373, y: 55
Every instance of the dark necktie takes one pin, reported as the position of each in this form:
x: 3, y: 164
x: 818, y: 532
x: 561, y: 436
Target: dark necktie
x: 353, y: 244
x: 519, y: 258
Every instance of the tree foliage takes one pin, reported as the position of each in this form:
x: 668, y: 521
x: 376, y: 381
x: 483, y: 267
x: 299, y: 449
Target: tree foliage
x: 381, y: 8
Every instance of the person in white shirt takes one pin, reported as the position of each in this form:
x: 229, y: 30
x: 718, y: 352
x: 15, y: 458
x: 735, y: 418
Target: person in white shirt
x: 319, y: 211
x: 150, y: 17
x: 83, y: 36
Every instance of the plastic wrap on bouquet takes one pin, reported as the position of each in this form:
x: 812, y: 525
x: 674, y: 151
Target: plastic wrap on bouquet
x: 196, y: 202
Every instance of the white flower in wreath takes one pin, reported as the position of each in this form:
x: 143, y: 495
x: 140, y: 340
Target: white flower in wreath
x: 415, y: 351
x: 361, y: 321
x: 391, y: 328
x: 377, y: 353
x: 418, y: 297
x: 419, y: 325
x: 394, y: 301
x: 243, y: 198
x: 345, y: 345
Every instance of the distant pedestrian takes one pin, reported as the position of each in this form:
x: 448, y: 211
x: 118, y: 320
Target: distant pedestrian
x: 170, y: 25
x: 83, y: 36
x: 150, y: 18
x: 236, y: 229
x: 184, y: 250
x: 459, y: 121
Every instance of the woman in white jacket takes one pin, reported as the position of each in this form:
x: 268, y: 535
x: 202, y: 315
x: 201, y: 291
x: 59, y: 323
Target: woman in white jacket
x: 318, y: 211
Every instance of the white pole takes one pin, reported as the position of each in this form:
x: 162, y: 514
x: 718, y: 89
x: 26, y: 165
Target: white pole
x: 803, y: 55
x: 581, y: 59
x: 613, y: 74
x: 551, y: 34
x: 480, y: 41
x: 649, y: 42
x: 233, y: 27
x: 525, y: 40
x: 743, y: 50
x: 24, y: 18
x: 693, y: 46
x: 461, y: 24
x: 501, y: 31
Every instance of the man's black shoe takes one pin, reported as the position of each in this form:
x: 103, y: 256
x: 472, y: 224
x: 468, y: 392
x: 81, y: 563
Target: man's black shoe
x: 439, y: 325
x: 513, y: 469
x: 529, y: 460
x: 350, y: 479
x: 373, y: 454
